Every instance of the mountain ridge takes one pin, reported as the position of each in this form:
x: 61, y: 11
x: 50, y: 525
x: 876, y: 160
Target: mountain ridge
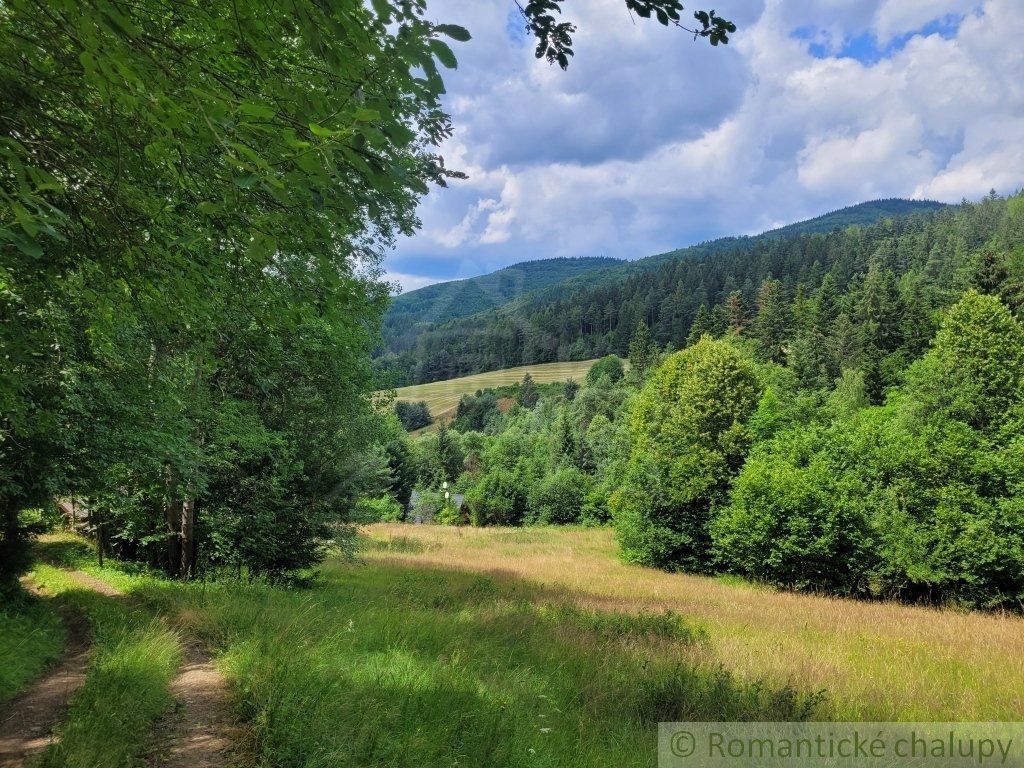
x: 404, y: 349
x: 454, y: 299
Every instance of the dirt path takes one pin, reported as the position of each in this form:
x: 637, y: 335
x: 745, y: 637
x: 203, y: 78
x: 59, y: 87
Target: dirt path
x: 27, y: 726
x: 96, y: 585
x: 200, y: 731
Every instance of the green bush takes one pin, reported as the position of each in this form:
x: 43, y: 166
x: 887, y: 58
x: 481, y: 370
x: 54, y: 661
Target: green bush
x: 794, y: 525
x: 559, y: 497
x: 413, y: 415
x: 917, y: 499
x: 428, y: 505
x: 475, y: 411
x: 610, y: 366
x: 498, y: 498
x: 382, y: 509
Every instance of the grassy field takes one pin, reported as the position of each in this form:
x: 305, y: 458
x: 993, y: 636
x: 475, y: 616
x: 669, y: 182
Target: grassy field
x: 385, y: 664
x: 442, y: 397
x: 881, y: 661
x: 518, y: 647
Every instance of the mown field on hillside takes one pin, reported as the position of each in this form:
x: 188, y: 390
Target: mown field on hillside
x: 442, y: 397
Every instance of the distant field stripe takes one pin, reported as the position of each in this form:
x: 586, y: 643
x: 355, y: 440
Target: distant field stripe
x: 441, y: 396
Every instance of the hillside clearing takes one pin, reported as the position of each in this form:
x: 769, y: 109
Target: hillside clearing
x: 385, y: 664
x: 875, y: 660
x: 442, y: 397
x: 522, y: 647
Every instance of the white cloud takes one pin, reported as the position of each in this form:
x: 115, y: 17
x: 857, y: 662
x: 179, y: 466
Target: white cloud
x: 650, y: 142
x: 897, y: 17
x: 407, y: 283
x: 867, y: 163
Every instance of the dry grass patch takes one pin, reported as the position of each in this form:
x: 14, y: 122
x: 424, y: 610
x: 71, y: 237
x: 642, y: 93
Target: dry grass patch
x: 882, y: 661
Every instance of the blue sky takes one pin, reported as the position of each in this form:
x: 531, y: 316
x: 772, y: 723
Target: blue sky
x: 651, y: 141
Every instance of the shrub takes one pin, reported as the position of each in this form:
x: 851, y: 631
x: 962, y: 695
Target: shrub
x: 559, y: 497
x: 498, y: 498
x: 382, y: 509
x: 413, y: 415
x: 789, y: 525
x: 475, y: 411
x: 427, y: 506
x: 610, y: 366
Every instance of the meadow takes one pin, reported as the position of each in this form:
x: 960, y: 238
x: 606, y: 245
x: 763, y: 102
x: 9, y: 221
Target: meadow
x: 442, y: 397
x: 513, y: 647
x: 872, y: 660
x: 381, y: 663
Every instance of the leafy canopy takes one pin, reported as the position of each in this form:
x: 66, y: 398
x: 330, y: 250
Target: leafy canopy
x: 194, y: 198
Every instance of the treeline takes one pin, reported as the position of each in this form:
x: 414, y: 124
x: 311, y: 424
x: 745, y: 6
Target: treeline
x: 713, y: 288
x: 863, y: 441
x: 193, y: 205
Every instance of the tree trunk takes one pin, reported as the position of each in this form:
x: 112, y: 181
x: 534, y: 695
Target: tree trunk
x: 172, y: 518
x: 99, y: 534
x: 188, y: 526
x: 12, y: 545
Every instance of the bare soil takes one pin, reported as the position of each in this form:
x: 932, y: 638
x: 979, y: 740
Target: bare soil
x: 199, y: 732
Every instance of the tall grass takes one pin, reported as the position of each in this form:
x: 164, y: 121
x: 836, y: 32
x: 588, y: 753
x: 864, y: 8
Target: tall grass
x: 391, y: 666
x: 134, y: 657
x: 499, y: 647
x: 878, y: 661
x: 31, y: 637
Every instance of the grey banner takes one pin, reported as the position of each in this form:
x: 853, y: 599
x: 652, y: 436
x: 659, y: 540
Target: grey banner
x: 840, y: 745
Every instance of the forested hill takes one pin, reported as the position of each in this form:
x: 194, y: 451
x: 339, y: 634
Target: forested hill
x: 587, y: 316
x: 442, y: 302
x: 860, y: 215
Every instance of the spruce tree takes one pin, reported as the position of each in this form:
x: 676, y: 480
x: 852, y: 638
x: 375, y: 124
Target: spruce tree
x: 771, y: 326
x: 643, y: 352
x: 528, y: 394
x: 736, y: 313
x: 703, y: 323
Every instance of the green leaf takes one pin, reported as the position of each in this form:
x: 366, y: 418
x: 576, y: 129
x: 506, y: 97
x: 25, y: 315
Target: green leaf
x: 383, y: 10
x: 28, y: 247
x: 366, y: 115
x: 443, y: 53
x: 259, y: 111
x: 25, y: 219
x: 454, y: 31
x: 321, y: 132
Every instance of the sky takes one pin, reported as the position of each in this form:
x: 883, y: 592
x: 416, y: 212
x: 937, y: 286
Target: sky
x: 651, y: 141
